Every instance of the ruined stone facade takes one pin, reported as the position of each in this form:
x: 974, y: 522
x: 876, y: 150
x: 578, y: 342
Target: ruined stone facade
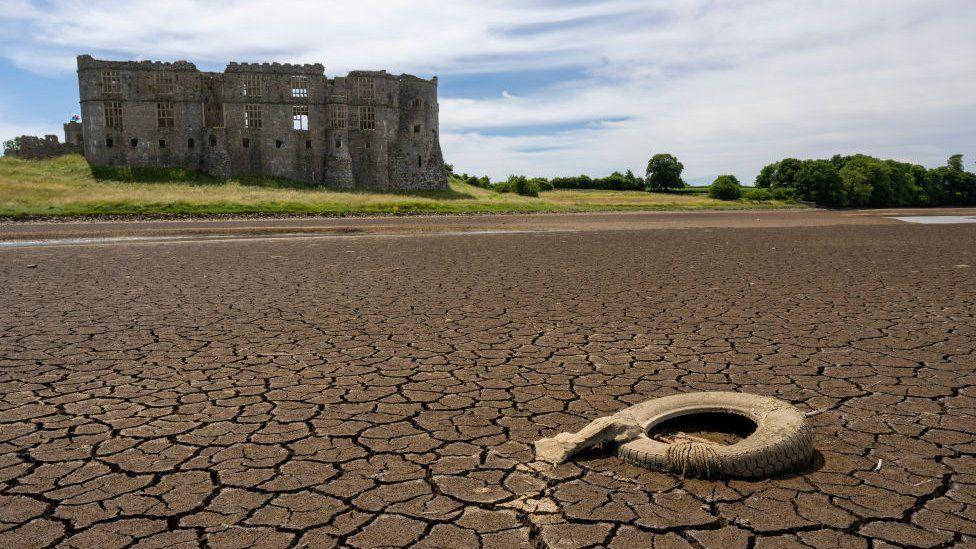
x: 31, y: 147
x: 369, y: 129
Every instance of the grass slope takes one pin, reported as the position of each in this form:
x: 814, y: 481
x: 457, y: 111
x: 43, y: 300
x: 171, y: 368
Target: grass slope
x: 67, y: 186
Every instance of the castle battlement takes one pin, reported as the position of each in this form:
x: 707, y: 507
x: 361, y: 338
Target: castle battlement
x: 88, y: 62
x: 276, y: 68
x: 368, y: 129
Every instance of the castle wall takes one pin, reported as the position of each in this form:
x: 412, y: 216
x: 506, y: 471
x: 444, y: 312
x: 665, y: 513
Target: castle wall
x: 39, y: 148
x: 213, y: 127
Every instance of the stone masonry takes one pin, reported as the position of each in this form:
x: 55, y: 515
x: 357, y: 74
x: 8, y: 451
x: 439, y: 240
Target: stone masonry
x: 31, y: 147
x: 369, y: 130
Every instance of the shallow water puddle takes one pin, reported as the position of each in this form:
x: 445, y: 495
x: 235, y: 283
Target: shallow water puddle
x: 937, y: 219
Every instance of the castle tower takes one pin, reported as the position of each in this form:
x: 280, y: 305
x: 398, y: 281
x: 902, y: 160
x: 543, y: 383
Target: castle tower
x: 72, y: 133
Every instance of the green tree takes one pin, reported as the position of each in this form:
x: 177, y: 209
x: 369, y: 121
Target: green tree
x: 785, y: 176
x: 955, y: 162
x: 838, y: 160
x: 928, y: 193
x: 904, y: 190
x: 725, y: 187
x: 819, y: 181
x: 633, y: 183
x: 541, y: 183
x: 867, y: 182
x: 779, y: 174
x: 664, y: 173
x: 956, y: 186
x: 11, y: 146
x: 519, y: 184
x: 765, y: 178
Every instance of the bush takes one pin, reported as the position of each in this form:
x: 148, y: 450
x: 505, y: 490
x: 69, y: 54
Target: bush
x: 541, y: 183
x: 725, y: 187
x: 614, y: 182
x: 783, y: 193
x: 757, y: 195
x: 482, y: 182
x: 518, y: 184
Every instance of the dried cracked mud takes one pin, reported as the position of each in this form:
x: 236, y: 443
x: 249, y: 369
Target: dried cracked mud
x: 385, y: 391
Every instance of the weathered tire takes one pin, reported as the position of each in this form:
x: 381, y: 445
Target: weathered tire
x: 782, y: 442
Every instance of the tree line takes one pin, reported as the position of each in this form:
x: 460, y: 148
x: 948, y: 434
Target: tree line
x: 842, y: 181
x: 865, y: 181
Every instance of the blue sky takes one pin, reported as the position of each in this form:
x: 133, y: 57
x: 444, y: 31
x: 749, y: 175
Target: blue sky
x: 547, y: 87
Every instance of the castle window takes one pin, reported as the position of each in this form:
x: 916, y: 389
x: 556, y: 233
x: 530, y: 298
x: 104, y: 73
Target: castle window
x: 213, y: 140
x: 162, y: 143
x: 113, y: 115
x: 367, y: 88
x: 190, y: 143
x: 299, y: 86
x: 416, y: 103
x: 420, y: 162
x: 133, y: 142
x: 252, y: 117
x: 367, y: 145
x: 164, y: 115
x: 163, y: 82
x: 337, y: 116
x: 213, y: 114
x: 299, y: 116
x: 338, y: 143
x: 246, y: 142
x: 109, y: 142
x: 367, y: 118
x: 252, y: 85
x: 278, y: 143
x: 416, y: 128
x: 111, y: 81
x: 308, y: 143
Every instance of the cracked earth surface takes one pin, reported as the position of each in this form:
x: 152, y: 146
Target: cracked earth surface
x: 386, y: 391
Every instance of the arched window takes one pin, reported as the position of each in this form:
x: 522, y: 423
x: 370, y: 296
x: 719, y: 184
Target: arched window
x: 109, y: 142
x: 190, y: 143
x: 213, y: 140
x: 134, y: 142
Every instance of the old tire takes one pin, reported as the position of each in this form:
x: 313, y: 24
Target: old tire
x: 782, y: 442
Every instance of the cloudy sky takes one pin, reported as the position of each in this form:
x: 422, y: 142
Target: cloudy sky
x: 558, y: 87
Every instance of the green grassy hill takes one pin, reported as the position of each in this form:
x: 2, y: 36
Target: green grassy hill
x: 67, y: 186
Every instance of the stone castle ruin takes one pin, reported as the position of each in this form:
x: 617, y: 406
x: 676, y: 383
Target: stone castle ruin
x: 368, y: 130
x: 31, y: 147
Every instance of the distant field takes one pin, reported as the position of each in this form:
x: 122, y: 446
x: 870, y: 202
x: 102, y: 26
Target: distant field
x: 66, y: 187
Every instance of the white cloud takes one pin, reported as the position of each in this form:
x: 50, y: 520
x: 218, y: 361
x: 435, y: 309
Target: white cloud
x: 726, y: 86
